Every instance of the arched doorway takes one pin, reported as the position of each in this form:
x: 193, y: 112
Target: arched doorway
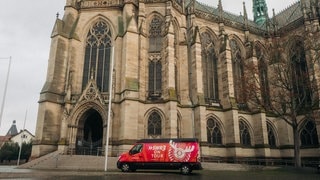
x: 90, y: 134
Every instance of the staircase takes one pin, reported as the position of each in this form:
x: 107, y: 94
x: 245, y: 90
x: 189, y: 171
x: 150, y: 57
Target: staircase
x: 55, y: 160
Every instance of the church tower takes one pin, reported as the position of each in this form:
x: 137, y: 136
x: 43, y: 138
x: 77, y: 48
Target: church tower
x: 260, y: 11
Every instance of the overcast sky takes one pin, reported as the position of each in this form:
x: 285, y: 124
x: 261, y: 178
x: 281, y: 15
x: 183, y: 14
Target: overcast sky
x: 25, y: 29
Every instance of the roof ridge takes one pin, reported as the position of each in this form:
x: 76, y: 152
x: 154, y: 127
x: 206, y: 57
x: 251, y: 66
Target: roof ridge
x: 288, y: 7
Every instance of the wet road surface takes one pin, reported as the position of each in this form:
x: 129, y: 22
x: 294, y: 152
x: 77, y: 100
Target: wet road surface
x: 11, y: 172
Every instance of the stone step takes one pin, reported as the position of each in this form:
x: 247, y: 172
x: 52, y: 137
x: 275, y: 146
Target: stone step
x: 71, y: 162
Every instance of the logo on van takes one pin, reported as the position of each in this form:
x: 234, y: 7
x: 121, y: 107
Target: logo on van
x: 180, y: 153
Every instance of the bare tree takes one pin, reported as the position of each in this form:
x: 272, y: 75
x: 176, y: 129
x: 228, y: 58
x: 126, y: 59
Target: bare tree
x: 284, y: 87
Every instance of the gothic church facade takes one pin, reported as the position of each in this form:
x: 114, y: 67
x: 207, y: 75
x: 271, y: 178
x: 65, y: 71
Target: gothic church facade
x: 173, y: 68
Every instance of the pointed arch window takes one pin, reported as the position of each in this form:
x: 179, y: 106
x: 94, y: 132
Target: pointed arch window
x: 263, y: 77
x: 155, y: 65
x: 154, y: 125
x: 309, y: 135
x: 245, y: 138
x: 300, y: 76
x: 97, y: 56
x: 238, y: 73
x: 210, y: 69
x: 271, y: 136
x: 214, y: 135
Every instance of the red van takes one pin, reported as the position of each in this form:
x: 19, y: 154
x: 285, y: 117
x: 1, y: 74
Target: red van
x: 180, y: 154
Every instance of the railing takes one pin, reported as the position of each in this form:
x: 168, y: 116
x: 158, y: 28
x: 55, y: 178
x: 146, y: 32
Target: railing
x: 261, y: 161
x: 94, y: 152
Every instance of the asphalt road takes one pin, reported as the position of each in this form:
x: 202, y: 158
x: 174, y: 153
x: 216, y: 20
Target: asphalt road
x: 10, y: 172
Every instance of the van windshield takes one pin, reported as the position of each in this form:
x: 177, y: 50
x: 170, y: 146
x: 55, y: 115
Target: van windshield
x: 136, y: 149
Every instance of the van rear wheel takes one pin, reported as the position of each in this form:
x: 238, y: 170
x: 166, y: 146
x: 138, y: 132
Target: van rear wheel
x: 125, y: 167
x: 185, y: 169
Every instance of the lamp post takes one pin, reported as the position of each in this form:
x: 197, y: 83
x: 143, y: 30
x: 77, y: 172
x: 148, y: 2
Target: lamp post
x: 5, y: 89
x: 109, y: 109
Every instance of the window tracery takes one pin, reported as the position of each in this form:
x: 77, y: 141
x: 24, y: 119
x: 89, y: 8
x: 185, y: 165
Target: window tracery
x: 97, y: 56
x: 154, y: 125
x: 214, y: 135
x: 309, y: 135
x: 155, y: 64
x: 210, y: 69
x: 245, y: 138
x: 263, y: 76
x: 271, y: 136
x: 238, y: 74
x: 300, y: 75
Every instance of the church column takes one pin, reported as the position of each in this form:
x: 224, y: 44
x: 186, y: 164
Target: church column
x: 127, y: 52
x: 196, y: 69
x: 261, y: 135
x: 228, y: 96
x: 169, y: 84
x: 195, y: 76
x: 196, y: 84
x: 260, y: 124
x: 232, y: 138
x: 49, y: 114
x: 169, y: 56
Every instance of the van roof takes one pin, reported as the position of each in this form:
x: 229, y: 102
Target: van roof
x: 167, y: 140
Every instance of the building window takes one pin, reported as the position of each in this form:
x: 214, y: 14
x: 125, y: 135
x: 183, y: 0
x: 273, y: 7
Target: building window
x: 179, y: 127
x: 245, y: 138
x: 309, y: 135
x: 155, y: 77
x: 300, y: 76
x: 155, y: 65
x: 154, y: 125
x: 213, y: 132
x: 263, y: 75
x: 271, y: 136
x: 97, y: 56
x: 210, y: 69
x: 238, y: 74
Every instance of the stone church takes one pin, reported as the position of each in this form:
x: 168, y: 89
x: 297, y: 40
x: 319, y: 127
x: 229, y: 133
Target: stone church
x: 135, y: 69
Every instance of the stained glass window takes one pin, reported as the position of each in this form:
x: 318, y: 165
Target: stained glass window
x: 210, y: 69
x: 309, y: 135
x: 154, y: 124
x: 213, y: 132
x: 97, y: 56
x: 245, y: 138
x: 271, y: 136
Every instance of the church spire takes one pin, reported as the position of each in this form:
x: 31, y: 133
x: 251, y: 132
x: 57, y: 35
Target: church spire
x: 245, y: 15
x: 260, y: 11
x: 220, y: 8
x: 13, y: 129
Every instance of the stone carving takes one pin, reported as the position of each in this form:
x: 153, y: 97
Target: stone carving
x: 97, y: 4
x: 92, y: 93
x: 154, y: 57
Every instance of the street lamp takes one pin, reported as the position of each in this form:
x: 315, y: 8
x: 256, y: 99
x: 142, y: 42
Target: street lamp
x: 109, y: 109
x: 5, y: 89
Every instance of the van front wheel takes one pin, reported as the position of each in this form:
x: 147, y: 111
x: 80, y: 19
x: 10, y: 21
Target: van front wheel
x: 185, y: 169
x: 125, y: 167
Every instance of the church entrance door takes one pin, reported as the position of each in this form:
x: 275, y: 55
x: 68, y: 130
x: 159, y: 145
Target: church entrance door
x: 90, y: 135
